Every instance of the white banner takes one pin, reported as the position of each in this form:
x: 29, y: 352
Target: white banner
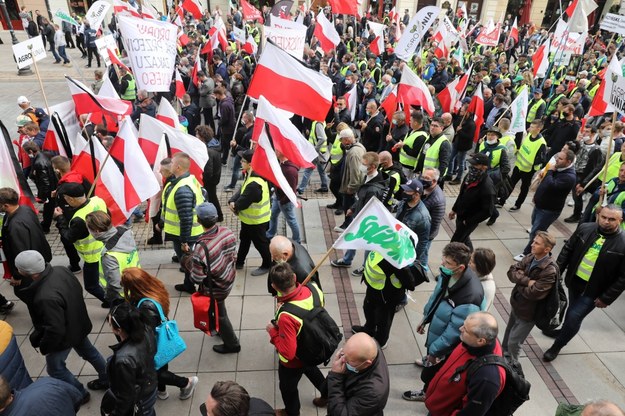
x: 291, y: 40
x: 574, y: 42
x: 151, y: 47
x: 613, y: 23
x: 413, y: 34
x: 518, y: 109
x: 285, y: 24
x: 239, y: 34
x: 102, y: 43
x: 95, y: 14
x: 24, y: 51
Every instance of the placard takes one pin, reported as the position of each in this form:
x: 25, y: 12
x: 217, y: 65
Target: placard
x: 613, y: 23
x: 24, y: 51
x: 95, y: 14
x: 291, y: 40
x: 103, y: 43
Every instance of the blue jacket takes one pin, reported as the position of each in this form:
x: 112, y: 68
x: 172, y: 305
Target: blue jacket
x: 45, y: 397
x: 418, y: 220
x: 12, y: 366
x: 447, y: 309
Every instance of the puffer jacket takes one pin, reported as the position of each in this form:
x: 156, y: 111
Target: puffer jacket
x: 125, y: 243
x: 435, y: 203
x: 131, y: 372
x: 377, y: 187
x: 418, y: 219
x: 185, y: 203
x: 12, y: 365
x: 524, y: 298
x: 447, y: 309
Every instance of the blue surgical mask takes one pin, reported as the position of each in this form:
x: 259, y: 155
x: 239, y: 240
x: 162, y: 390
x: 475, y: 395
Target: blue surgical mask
x: 350, y: 367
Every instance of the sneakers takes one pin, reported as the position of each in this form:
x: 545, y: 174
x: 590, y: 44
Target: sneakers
x: 358, y: 272
x: 339, y: 229
x: 514, y: 208
x: 519, y: 257
x: 187, y: 392
x: 551, y: 354
x: 455, y: 182
x: 414, y: 395
x: 162, y: 395
x: 7, y: 307
x: 340, y: 263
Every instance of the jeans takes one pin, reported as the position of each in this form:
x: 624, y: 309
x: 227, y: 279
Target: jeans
x: 236, y: 171
x: 456, y: 162
x: 288, y: 209
x: 579, y: 306
x: 541, y: 220
x: 63, y: 55
x: 289, y: 379
x: 517, y: 331
x: 147, y: 405
x: 91, y: 275
x: 57, y: 58
x: 55, y: 364
x: 308, y: 173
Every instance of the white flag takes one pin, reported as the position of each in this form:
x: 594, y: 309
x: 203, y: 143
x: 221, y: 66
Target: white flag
x: 518, y: 108
x: 374, y: 228
x: 413, y: 34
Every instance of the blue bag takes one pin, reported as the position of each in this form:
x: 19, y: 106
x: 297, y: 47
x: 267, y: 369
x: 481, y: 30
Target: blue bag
x: 169, y: 343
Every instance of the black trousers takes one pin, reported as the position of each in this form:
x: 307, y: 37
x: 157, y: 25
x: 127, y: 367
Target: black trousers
x: 69, y: 40
x: 48, y: 211
x: 70, y: 250
x: 256, y: 234
x: 211, y: 195
x: 80, y: 43
x: 289, y: 379
x: 335, y: 183
x: 209, y: 120
x: 463, y: 233
x: 226, y: 331
x: 91, y: 51
x: 526, y: 181
x: 379, y: 314
x: 167, y: 378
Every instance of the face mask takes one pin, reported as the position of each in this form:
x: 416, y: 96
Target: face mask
x: 203, y: 410
x: 587, y: 139
x: 426, y: 184
x: 408, y: 198
x: 491, y: 141
x: 606, y: 132
x: 394, y: 122
x: 365, y: 91
x: 363, y: 169
x: 351, y: 367
x: 446, y: 271
x: 348, y: 82
x: 368, y: 113
x: 243, y: 122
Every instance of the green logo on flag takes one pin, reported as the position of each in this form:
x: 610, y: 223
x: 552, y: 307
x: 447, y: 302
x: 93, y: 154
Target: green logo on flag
x: 395, y: 243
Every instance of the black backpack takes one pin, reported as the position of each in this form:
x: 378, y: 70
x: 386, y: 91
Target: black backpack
x: 319, y: 336
x: 549, y: 312
x: 516, y: 390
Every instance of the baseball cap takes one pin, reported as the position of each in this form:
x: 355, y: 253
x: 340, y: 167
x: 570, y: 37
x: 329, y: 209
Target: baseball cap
x: 479, y: 159
x: 22, y: 100
x: 246, y: 155
x: 413, y: 185
x: 22, y: 120
x: 30, y: 262
x: 74, y: 189
x: 206, y: 211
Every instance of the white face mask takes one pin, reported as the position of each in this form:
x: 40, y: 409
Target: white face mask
x: 491, y: 141
x: 348, y: 82
x: 365, y: 91
x: 363, y: 169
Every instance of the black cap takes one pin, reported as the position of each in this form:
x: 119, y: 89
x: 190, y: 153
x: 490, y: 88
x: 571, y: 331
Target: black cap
x: 413, y: 185
x: 246, y: 155
x: 479, y: 159
x: 73, y: 189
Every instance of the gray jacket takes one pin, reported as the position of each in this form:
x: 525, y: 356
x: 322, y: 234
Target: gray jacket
x: 207, y: 99
x: 110, y: 265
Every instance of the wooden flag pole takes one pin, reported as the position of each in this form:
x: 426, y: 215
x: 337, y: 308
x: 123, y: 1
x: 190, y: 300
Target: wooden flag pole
x: 314, y: 270
x: 43, y: 92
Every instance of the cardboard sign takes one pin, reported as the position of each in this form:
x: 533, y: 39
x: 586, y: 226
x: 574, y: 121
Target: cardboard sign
x: 103, y: 43
x: 25, y: 51
x: 95, y: 14
x: 291, y: 40
x: 613, y: 23
x: 151, y: 47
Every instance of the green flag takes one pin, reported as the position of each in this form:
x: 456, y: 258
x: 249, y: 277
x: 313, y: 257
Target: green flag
x: 65, y: 17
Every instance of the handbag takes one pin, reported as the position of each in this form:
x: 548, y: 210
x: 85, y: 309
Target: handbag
x: 169, y: 343
x: 205, y: 309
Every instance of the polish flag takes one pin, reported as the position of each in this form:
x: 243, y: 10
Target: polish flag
x: 278, y: 74
x: 92, y: 157
x: 600, y: 102
x: 377, y: 45
x: 180, y: 91
x: 183, y: 39
x: 194, y: 7
x: 11, y: 173
x: 197, y: 67
x: 273, y: 131
x: 540, y: 59
x: 153, y: 131
x: 250, y: 46
x: 326, y: 33
x: 344, y: 7
x: 222, y: 35
x: 179, y: 19
x: 115, y: 60
x: 477, y: 108
x: 351, y: 98
x: 412, y: 90
x: 211, y: 44
x: 154, y: 203
x: 390, y: 104
x: 167, y: 114
x: 514, y: 32
x: 107, y: 89
x: 488, y: 37
x: 87, y: 102
x: 449, y: 97
x: 251, y: 13
x: 139, y: 181
x: 148, y: 11
x: 392, y: 14
x: 124, y: 8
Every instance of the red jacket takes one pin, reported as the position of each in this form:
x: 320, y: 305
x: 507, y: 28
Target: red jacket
x: 284, y: 334
x: 465, y: 397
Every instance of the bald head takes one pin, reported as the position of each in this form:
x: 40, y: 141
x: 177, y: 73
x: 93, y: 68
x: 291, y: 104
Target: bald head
x: 386, y: 160
x: 602, y: 408
x: 361, y: 349
x: 447, y: 119
x: 281, y: 248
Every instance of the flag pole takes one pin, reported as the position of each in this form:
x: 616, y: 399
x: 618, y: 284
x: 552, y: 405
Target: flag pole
x: 97, y: 176
x: 607, y: 160
x: 314, y: 270
x: 239, y: 118
x: 43, y: 92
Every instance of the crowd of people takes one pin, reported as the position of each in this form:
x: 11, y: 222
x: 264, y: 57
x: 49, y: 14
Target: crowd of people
x: 404, y: 157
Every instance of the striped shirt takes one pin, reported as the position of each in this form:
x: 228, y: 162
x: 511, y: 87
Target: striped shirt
x: 221, y: 246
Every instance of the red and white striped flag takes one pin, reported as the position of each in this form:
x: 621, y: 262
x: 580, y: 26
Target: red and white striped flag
x: 278, y: 74
x: 326, y: 33
x: 413, y: 91
x: 124, y: 8
x: 377, y: 45
x: 250, y: 46
x: 452, y: 93
x: 148, y: 11
x: 151, y: 133
x: 251, y: 13
x: 477, y: 108
x: 194, y: 7
x: 344, y: 7
x: 488, y: 37
x: 180, y: 91
x: 139, y: 181
x: 197, y: 67
x: 600, y: 102
x: 87, y: 102
x: 115, y: 60
x: 351, y: 99
x: 390, y: 105
x: 167, y: 114
x: 540, y: 59
x: 11, y: 173
x: 222, y: 35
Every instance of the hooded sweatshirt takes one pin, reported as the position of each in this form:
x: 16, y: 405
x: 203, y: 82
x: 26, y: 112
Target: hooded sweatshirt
x: 110, y: 266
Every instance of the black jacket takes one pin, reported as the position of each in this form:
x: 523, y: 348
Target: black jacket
x: 212, y: 169
x: 371, y: 137
x: 131, y: 373
x: 476, y: 201
x: 376, y: 187
x: 552, y: 192
x: 364, y: 393
x: 43, y: 175
x: 58, y: 311
x: 607, y: 279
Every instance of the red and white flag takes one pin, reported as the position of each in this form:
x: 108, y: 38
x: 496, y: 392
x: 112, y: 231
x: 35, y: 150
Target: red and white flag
x: 450, y: 96
x: 601, y: 102
x: 413, y: 91
x: 148, y: 11
x: 139, y: 181
x: 250, y: 46
x: 11, y: 173
x: 183, y: 39
x: 64, y: 130
x: 115, y: 60
x: 326, y: 33
x: 390, y: 104
x: 514, y: 32
x: 351, y: 99
x: 477, y: 108
x: 392, y: 14
x: 278, y: 74
x: 87, y: 102
x: 488, y: 37
x: 194, y: 7
x: 222, y: 35
x: 151, y: 132
x: 167, y: 114
x: 377, y: 44
x: 211, y: 44
x: 251, y: 13
x: 286, y: 139
x: 180, y: 91
x: 124, y: 8
x: 540, y: 59
x: 107, y: 187
x: 344, y: 7
x: 197, y: 67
